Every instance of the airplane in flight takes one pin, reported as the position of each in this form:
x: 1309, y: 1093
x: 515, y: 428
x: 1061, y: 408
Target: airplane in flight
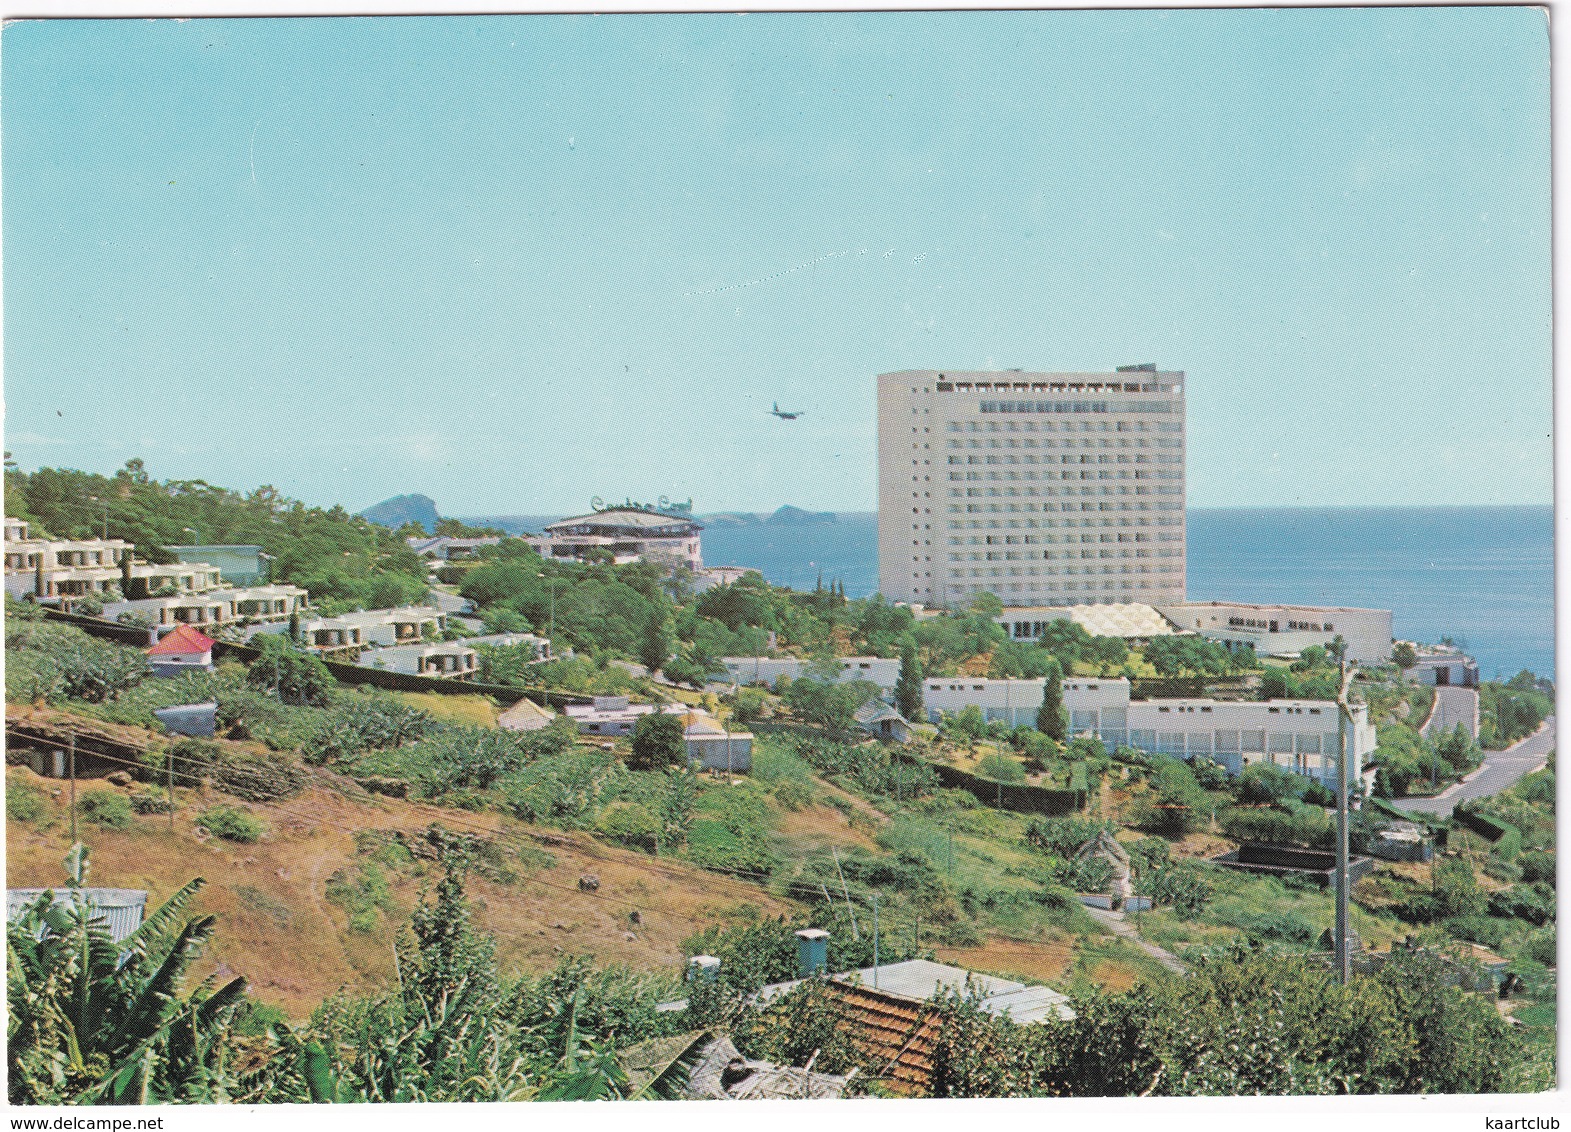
x: 777, y: 412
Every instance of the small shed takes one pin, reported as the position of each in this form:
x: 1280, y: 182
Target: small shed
x: 121, y: 909
x: 525, y: 715
x: 882, y: 721
x: 182, y: 649
x: 197, y: 720
x: 711, y: 747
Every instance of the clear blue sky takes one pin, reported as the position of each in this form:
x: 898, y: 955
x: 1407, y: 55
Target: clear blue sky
x: 514, y: 262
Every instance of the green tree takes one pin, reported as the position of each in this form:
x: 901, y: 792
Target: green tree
x: 1404, y: 656
x: 1051, y: 718
x: 295, y: 677
x: 654, y: 648
x: 986, y: 604
x: 908, y: 685
x: 658, y: 742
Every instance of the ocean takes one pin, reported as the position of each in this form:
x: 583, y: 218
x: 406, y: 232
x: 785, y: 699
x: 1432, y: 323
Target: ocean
x: 1483, y: 576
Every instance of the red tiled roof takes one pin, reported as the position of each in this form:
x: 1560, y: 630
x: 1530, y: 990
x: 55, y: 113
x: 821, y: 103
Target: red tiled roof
x: 181, y: 641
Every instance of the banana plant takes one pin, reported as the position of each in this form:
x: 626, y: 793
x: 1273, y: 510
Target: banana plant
x: 92, y: 1020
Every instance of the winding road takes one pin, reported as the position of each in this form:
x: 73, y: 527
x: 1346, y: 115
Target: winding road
x: 1500, y: 770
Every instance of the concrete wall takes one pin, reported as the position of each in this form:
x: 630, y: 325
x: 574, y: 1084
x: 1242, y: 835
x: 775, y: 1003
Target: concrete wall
x: 1296, y: 627
x: 883, y: 671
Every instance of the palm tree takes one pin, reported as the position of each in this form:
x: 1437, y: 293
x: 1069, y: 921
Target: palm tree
x: 96, y: 1021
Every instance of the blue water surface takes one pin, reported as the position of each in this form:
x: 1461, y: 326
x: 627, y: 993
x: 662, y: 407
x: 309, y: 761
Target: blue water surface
x: 1483, y: 576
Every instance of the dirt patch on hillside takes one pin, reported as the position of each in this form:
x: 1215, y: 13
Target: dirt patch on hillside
x: 823, y: 826
x: 278, y: 928
x: 1048, y: 960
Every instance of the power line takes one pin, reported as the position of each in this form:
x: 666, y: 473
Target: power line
x: 804, y: 890
x: 307, y: 814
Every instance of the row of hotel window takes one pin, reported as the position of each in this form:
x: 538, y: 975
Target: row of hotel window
x: 1068, y: 426
x: 1058, y: 556
x: 1063, y: 476
x: 1077, y: 406
x: 1086, y: 456
x: 1031, y: 571
x: 1053, y: 493
x: 1160, y: 521
x: 1011, y: 508
x: 1040, y: 540
x: 1061, y: 593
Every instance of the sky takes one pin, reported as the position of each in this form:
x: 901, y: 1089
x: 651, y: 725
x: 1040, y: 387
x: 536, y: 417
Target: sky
x: 516, y: 262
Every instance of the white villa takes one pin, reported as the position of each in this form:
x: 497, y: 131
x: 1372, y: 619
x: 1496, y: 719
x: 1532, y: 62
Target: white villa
x: 448, y: 660
x: 368, y: 628
x: 1297, y: 735
x: 57, y: 571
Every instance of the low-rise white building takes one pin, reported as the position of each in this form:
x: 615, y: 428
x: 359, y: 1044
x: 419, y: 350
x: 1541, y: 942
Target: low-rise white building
x: 713, y: 746
x: 1298, y: 735
x: 1133, y: 621
x: 1287, y: 630
x: 1447, y: 668
x: 446, y: 548
x: 445, y: 660
x: 880, y: 670
x: 627, y: 534
x: 246, y: 605
x: 373, y: 628
x: 711, y: 576
x: 182, y: 649
x: 539, y: 647
x: 610, y: 715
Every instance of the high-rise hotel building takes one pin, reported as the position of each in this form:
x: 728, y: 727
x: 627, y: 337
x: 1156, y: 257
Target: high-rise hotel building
x: 1047, y: 489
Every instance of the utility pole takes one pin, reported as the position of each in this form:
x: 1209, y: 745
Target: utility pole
x: 71, y: 763
x: 875, y: 939
x: 169, y: 785
x: 1343, y: 955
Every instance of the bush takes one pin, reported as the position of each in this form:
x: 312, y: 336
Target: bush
x: 658, y: 742
x: 231, y: 823
x: 794, y: 794
x: 1063, y: 836
x: 23, y: 802
x: 147, y: 802
x: 629, y: 824
x: 1540, y: 946
x: 1210, y: 774
x: 1538, y: 866
x: 106, y: 808
x: 1180, y: 885
x: 1001, y: 768
x: 1487, y: 930
x: 1274, y: 827
x: 1268, y: 784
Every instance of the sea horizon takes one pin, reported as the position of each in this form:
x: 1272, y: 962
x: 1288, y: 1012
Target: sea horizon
x: 1481, y: 575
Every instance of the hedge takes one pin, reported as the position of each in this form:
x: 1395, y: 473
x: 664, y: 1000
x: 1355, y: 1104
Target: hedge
x: 1505, y: 838
x: 344, y: 673
x: 1021, y: 798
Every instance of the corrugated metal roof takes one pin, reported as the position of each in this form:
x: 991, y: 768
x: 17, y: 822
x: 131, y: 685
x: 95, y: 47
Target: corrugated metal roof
x: 893, y: 1028
x: 122, y: 909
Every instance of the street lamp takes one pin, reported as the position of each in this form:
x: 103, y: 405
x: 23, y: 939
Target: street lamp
x: 192, y: 531
x: 1343, y: 956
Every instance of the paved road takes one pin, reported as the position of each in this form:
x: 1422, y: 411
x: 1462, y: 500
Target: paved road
x: 1452, y: 706
x: 1500, y: 770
